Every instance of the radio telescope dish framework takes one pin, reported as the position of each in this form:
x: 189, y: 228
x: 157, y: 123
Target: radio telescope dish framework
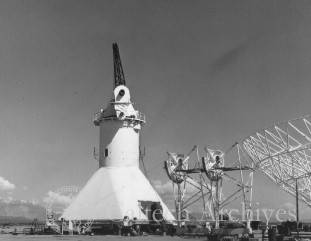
x: 283, y: 153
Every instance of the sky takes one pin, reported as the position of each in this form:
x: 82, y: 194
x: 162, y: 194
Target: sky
x: 203, y: 72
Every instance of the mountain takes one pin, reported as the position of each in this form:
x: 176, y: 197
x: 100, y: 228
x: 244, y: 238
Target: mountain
x: 21, y: 210
x: 14, y: 220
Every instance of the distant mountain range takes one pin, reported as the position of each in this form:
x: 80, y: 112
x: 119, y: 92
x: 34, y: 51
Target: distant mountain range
x: 14, y: 220
x: 19, y: 211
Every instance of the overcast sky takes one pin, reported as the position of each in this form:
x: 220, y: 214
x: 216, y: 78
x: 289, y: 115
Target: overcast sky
x: 203, y: 72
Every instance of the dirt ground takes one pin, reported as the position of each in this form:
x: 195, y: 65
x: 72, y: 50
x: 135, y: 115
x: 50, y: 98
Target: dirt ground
x: 10, y: 237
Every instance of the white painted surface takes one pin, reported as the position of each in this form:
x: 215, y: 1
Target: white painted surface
x: 112, y: 193
x: 122, y: 143
x: 118, y: 186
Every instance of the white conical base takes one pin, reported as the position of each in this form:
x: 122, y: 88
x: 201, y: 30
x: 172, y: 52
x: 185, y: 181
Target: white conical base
x: 113, y: 193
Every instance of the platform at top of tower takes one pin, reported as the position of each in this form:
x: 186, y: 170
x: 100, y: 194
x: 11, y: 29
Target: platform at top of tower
x: 99, y: 117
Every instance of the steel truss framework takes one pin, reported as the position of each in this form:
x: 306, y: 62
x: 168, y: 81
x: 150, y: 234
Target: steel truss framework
x: 213, y: 182
x: 283, y: 153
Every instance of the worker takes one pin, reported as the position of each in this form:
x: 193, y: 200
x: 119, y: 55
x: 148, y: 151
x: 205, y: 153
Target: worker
x: 135, y: 227
x: 126, y: 228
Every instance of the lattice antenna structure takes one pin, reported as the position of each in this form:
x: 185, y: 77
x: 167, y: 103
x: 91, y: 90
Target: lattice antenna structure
x: 231, y: 178
x: 188, y: 183
x: 190, y: 186
x: 283, y: 153
x: 118, y: 70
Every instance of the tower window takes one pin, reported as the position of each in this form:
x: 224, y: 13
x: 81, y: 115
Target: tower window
x: 106, y: 152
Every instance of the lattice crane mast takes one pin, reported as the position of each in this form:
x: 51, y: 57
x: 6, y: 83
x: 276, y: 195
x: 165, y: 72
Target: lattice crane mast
x: 118, y: 70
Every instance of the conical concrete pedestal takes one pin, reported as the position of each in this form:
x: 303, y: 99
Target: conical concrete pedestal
x: 113, y: 193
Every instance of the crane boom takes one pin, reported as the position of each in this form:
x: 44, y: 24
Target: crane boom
x: 118, y: 70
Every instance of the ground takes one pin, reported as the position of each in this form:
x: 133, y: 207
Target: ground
x: 9, y: 237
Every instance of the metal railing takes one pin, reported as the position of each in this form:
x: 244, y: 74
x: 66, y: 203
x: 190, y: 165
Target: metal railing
x: 98, y: 117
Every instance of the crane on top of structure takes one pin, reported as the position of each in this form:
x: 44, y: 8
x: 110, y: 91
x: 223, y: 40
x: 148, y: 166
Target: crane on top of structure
x: 118, y: 70
x: 119, y: 79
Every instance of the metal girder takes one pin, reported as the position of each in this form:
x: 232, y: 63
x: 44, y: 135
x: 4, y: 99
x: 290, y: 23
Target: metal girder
x: 283, y: 153
x: 118, y: 70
